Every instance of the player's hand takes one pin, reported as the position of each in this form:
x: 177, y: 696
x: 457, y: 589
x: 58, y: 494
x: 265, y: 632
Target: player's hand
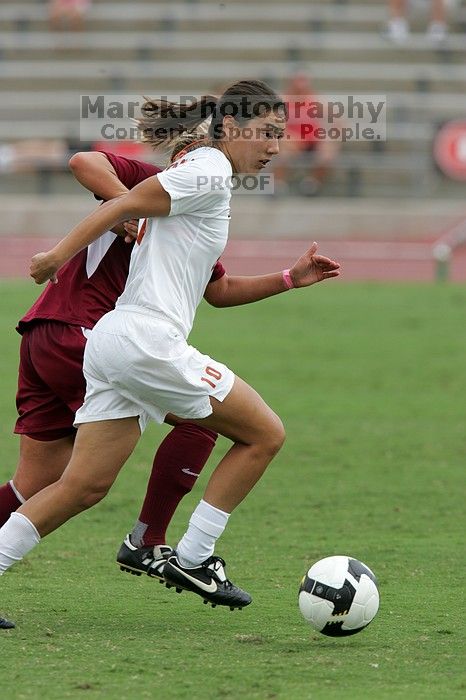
x: 43, y: 268
x: 131, y: 228
x: 127, y: 230
x: 312, y: 268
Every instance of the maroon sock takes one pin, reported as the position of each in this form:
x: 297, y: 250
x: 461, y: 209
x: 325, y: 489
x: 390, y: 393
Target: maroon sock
x: 177, y: 464
x: 9, y: 502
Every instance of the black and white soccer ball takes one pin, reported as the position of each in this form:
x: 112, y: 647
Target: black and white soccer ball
x: 338, y: 596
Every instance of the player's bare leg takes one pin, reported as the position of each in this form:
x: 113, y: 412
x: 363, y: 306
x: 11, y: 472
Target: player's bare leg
x: 258, y: 434
x: 100, y: 451
x: 40, y: 463
x: 77, y: 488
x: 102, y: 448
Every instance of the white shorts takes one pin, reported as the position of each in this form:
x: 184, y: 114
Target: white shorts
x: 137, y: 364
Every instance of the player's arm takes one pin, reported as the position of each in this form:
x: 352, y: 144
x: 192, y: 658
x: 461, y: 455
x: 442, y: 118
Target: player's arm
x: 95, y: 172
x: 147, y: 199
x: 234, y: 291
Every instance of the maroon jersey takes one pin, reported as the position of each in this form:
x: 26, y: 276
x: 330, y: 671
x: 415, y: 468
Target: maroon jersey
x: 90, y: 283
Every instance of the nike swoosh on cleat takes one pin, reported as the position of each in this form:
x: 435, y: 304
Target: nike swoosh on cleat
x: 207, y: 587
x: 188, y: 471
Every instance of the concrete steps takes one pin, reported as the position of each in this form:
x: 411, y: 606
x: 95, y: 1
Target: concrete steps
x: 194, y: 47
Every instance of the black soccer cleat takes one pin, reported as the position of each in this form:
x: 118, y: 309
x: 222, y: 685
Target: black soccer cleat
x: 6, y: 624
x: 208, y: 580
x: 143, y: 560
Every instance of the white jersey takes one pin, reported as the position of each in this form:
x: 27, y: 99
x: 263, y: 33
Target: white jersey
x: 172, y: 263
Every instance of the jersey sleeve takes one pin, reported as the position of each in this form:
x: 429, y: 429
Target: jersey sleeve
x: 130, y: 172
x: 198, y: 185
x: 217, y: 272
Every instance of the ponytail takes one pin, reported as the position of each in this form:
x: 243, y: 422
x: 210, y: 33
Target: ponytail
x: 163, y: 122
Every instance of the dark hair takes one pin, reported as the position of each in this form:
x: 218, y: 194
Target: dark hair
x: 244, y: 101
x: 163, y: 121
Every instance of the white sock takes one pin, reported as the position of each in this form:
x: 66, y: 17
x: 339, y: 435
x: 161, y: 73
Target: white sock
x: 17, y: 537
x: 205, y: 527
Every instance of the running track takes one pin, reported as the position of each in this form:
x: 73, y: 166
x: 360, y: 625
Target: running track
x: 360, y: 260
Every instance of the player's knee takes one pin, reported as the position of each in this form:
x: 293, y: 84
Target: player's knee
x: 274, y: 435
x: 84, y: 495
x: 91, y: 496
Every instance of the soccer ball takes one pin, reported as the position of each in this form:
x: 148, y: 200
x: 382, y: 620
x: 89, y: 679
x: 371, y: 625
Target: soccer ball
x: 338, y: 596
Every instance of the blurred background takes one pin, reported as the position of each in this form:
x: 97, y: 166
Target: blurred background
x: 391, y: 209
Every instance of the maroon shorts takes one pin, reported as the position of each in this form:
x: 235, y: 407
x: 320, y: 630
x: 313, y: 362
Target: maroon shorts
x: 51, y: 385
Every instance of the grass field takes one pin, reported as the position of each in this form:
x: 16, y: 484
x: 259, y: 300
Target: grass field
x: 370, y: 381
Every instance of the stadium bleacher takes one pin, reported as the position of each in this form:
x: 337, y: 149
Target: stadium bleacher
x: 191, y: 47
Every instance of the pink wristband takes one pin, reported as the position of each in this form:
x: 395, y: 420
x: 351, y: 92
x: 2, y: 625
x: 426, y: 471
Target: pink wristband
x: 287, y: 279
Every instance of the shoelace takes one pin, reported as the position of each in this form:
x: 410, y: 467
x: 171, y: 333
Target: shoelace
x: 158, y: 561
x: 215, y: 564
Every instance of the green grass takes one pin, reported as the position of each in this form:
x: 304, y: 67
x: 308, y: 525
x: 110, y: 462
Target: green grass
x: 370, y: 382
